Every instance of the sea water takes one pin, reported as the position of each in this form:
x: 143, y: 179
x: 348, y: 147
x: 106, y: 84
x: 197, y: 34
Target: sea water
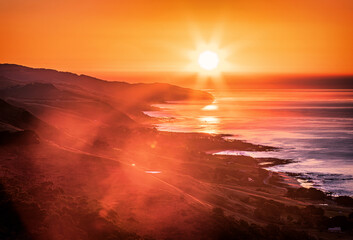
x: 313, y: 127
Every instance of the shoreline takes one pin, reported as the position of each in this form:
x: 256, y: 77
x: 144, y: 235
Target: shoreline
x: 278, y: 179
x: 100, y: 171
x: 287, y: 180
x: 317, y: 154
x: 264, y: 162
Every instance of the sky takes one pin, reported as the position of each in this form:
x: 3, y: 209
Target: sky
x: 107, y: 36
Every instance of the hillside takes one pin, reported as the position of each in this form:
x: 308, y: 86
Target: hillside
x: 77, y: 161
x: 153, y: 92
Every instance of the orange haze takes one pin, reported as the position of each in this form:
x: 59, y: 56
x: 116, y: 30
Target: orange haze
x: 97, y: 36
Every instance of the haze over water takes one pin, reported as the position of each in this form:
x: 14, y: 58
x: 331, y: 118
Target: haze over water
x: 314, y: 127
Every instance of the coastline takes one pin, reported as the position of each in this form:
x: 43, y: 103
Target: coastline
x: 280, y: 184
x: 285, y: 179
x: 267, y: 118
x: 127, y: 175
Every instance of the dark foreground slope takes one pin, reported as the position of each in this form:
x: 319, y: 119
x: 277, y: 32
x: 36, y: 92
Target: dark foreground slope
x: 75, y: 164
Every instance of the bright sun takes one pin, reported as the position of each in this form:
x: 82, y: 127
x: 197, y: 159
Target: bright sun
x: 208, y: 60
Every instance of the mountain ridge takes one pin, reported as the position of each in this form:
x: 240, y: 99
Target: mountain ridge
x: 158, y: 91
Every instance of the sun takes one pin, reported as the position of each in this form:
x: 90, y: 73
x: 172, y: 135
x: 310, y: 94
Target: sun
x: 208, y: 60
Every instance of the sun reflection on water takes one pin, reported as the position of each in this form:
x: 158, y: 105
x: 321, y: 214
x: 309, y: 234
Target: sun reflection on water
x: 209, y: 124
x: 210, y: 107
x: 209, y: 120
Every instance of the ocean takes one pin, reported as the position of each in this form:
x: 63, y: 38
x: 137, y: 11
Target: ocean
x: 312, y: 127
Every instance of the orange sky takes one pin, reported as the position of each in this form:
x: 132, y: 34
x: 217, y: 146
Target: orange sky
x: 298, y: 36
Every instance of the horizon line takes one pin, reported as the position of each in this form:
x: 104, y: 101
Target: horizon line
x: 184, y: 72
